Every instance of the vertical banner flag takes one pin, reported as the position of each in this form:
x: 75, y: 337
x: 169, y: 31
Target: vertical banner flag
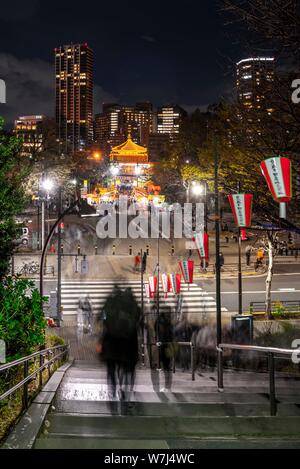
x: 175, y: 283
x: 187, y: 270
x: 202, y: 244
x: 147, y: 291
x: 241, y: 205
x: 165, y: 280
x: 153, y: 285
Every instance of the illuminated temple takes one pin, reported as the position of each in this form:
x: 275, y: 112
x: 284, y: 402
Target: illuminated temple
x: 130, y: 168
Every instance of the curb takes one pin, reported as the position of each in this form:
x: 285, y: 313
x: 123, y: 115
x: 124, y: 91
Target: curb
x: 24, y: 434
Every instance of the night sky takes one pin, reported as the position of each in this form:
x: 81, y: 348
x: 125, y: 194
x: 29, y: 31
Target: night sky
x: 160, y: 51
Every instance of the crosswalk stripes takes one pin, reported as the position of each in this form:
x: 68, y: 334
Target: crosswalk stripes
x: 195, y: 299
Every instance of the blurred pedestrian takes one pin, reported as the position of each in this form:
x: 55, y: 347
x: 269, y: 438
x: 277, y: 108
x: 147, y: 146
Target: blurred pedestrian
x: 84, y: 316
x: 248, y: 252
x: 118, y: 342
x: 167, y: 347
x: 137, y: 262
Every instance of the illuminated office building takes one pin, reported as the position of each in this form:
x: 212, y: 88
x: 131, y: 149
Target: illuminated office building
x: 255, y: 78
x: 74, y: 96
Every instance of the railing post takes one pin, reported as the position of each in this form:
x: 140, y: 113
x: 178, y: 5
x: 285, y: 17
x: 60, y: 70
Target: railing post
x: 220, y: 370
x: 273, y: 405
x: 41, y: 371
x: 49, y: 365
x: 192, y: 361
x: 25, y: 387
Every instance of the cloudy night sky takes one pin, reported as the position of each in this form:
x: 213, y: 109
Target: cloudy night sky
x: 160, y: 51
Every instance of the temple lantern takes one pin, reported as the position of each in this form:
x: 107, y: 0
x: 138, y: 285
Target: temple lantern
x: 278, y: 174
x: 187, y: 270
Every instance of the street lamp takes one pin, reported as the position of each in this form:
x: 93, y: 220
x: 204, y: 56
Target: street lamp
x: 198, y: 190
x: 47, y: 185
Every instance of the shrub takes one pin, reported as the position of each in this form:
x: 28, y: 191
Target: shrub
x: 22, y: 321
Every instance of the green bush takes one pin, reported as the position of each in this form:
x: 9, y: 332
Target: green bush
x: 22, y: 321
x: 54, y: 340
x: 279, y: 311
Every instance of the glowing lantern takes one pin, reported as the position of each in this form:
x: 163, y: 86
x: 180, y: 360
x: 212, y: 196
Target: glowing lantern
x: 278, y: 174
x: 187, y: 270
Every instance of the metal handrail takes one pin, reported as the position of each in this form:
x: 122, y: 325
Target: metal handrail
x: 180, y: 344
x: 271, y: 352
x: 256, y: 348
x: 28, y: 377
x: 20, y: 361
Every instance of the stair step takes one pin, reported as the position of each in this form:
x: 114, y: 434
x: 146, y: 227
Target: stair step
x: 169, y: 409
x: 202, y: 443
x: 161, y: 427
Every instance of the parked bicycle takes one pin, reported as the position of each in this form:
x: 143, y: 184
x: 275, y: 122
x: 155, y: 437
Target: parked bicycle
x: 29, y: 268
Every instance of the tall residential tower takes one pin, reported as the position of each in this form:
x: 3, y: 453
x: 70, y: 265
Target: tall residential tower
x: 255, y: 79
x: 74, y: 96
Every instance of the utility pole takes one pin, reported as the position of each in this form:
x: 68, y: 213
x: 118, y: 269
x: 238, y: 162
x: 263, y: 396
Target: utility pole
x: 43, y: 223
x: 142, y: 307
x: 218, y: 266
x: 240, y: 265
x: 59, y: 259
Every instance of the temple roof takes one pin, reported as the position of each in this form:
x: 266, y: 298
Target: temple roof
x: 129, y: 148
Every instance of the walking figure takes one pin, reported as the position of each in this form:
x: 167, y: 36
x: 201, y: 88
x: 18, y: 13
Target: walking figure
x: 137, y: 262
x: 84, y: 316
x: 248, y: 252
x: 118, y: 343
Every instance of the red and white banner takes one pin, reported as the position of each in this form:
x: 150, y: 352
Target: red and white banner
x: 278, y: 174
x: 147, y: 290
x: 241, y: 205
x: 202, y: 244
x: 175, y: 283
x: 165, y: 280
x: 153, y: 284
x: 187, y: 270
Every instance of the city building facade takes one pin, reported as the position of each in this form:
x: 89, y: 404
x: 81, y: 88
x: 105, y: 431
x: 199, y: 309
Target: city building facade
x: 74, y: 96
x: 254, y: 81
x: 169, y: 120
x: 30, y: 130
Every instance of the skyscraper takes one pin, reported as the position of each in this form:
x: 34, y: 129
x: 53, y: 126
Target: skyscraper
x: 255, y: 78
x: 169, y: 119
x: 74, y: 96
x: 116, y: 122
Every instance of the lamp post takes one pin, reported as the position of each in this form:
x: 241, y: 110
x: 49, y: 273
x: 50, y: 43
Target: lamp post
x: 200, y: 189
x: 47, y: 186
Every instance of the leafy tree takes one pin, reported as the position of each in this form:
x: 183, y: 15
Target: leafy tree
x: 22, y: 321
x: 13, y: 170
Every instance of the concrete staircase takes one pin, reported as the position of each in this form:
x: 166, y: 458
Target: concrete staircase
x: 192, y: 415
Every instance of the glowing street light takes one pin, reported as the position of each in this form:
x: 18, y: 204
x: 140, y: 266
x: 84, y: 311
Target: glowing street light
x: 198, y: 189
x: 47, y: 185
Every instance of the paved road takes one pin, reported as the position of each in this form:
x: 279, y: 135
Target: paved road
x: 286, y: 286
